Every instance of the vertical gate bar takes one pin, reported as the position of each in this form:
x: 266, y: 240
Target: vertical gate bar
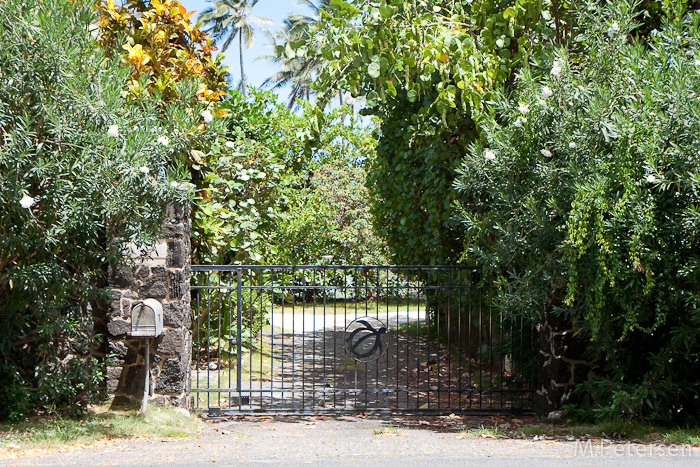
x: 470, y: 345
x: 294, y: 300
x: 366, y: 311
x: 418, y: 340
x: 377, y: 297
x: 521, y: 356
x: 303, y: 343
x: 272, y: 337
x: 282, y: 386
x: 323, y: 362
x: 313, y: 338
x: 428, y: 306
x: 239, y: 344
x: 502, y: 369
x: 512, y: 350
x: 334, y: 382
x: 396, y: 294
x: 377, y: 385
x: 262, y: 343
x: 490, y: 367
x: 532, y: 367
x: 407, y: 278
x: 228, y: 337
x: 345, y: 323
x: 208, y: 350
x: 481, y: 354
x: 385, y: 287
x: 251, y: 326
x: 220, y: 372
x: 198, y: 311
x: 217, y: 307
x: 439, y: 330
x: 438, y: 311
x: 460, y: 292
x: 449, y: 337
x: 356, y: 294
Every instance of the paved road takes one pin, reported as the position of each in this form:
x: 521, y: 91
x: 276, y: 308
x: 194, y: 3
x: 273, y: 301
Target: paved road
x: 351, y: 441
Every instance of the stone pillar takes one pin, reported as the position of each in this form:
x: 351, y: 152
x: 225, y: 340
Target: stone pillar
x: 165, y: 277
x: 561, y: 363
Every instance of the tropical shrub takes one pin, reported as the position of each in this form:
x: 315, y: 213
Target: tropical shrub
x: 582, y: 200
x: 163, y: 48
x: 81, y: 175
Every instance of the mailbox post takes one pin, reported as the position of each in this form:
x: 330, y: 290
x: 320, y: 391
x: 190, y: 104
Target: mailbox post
x: 147, y: 322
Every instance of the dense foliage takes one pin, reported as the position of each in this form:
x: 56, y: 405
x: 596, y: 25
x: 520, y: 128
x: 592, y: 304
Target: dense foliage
x: 327, y: 219
x: 584, y: 198
x: 426, y: 68
x: 262, y: 191
x: 76, y: 184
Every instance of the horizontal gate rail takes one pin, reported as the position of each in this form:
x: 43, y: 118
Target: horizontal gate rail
x: 329, y: 338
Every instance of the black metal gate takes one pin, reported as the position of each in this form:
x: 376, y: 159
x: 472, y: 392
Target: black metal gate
x: 355, y: 338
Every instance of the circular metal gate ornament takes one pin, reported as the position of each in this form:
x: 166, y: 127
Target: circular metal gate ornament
x: 364, y: 339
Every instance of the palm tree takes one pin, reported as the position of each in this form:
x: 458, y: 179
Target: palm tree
x: 299, y: 72
x: 231, y: 18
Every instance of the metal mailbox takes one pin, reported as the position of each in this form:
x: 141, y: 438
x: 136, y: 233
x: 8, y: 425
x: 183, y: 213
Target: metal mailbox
x: 147, y: 319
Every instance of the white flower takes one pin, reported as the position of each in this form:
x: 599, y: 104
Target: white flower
x: 614, y: 27
x: 518, y: 123
x: 651, y: 178
x: 556, y: 69
x: 26, y: 202
x: 489, y: 155
x: 144, y: 169
x: 543, y: 103
x: 500, y: 43
x: 523, y: 108
x: 208, y: 117
x: 546, y: 153
x: 697, y: 62
x: 572, y: 145
x: 113, y: 131
x: 164, y: 140
x: 174, y: 184
x: 546, y: 92
x: 230, y: 144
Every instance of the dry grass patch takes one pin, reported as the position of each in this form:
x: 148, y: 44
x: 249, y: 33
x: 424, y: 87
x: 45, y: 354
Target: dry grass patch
x: 100, y: 423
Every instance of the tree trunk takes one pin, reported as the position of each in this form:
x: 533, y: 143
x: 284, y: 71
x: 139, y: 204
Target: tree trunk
x: 240, y: 47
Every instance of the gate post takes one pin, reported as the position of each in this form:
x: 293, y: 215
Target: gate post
x: 165, y: 276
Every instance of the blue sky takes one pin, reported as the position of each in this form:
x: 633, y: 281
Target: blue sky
x: 256, y: 71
